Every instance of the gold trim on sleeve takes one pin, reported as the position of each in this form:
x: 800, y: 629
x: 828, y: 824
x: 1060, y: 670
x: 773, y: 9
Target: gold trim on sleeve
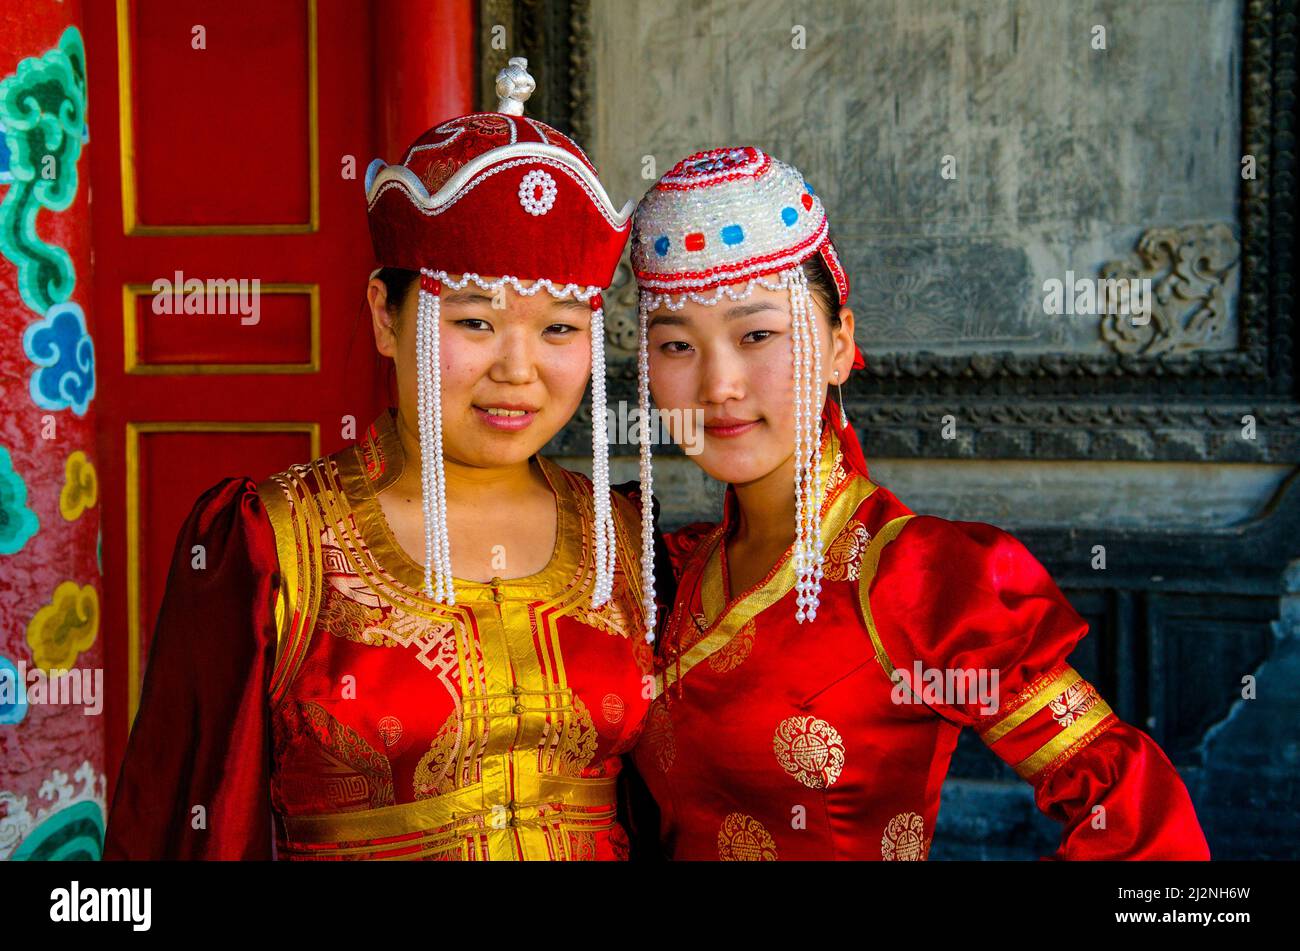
x: 1065, y: 744
x: 289, y: 591
x: 1037, y: 698
x: 867, y: 573
x: 295, y: 519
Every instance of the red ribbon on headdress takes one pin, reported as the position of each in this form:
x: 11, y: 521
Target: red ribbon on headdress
x: 859, y: 361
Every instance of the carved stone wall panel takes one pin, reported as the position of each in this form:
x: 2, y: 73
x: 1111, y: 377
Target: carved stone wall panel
x: 1067, y: 159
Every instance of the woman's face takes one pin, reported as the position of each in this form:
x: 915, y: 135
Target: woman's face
x: 526, y: 358
x: 733, y: 362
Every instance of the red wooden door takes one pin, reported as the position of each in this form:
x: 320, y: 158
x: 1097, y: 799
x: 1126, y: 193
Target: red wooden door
x: 243, y: 132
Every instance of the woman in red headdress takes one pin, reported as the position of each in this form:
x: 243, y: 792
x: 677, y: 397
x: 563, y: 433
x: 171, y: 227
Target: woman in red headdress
x: 429, y: 645
x: 827, y: 644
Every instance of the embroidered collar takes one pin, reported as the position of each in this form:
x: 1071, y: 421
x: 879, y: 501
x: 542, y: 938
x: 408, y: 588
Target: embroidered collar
x: 724, y: 620
x: 378, y: 462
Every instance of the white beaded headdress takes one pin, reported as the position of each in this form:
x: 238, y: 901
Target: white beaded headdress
x: 733, y: 216
x: 498, y: 193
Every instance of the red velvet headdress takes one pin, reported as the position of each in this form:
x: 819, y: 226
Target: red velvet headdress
x: 502, y: 195
x: 497, y: 193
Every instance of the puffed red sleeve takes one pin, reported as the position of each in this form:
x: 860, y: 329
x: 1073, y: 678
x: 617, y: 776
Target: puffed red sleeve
x: 201, y: 734
x: 969, y: 597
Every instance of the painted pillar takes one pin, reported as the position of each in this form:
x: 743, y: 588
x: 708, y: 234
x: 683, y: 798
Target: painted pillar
x: 52, y: 782
x: 424, y: 68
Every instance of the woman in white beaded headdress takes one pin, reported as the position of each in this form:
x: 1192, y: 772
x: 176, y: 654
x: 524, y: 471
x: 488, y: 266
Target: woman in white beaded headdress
x: 796, y: 666
x: 736, y: 232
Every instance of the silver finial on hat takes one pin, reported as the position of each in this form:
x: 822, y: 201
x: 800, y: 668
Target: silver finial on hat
x: 514, y: 86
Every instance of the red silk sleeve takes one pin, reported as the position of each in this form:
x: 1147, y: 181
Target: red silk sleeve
x: 968, y: 597
x: 201, y: 733
x: 1147, y: 811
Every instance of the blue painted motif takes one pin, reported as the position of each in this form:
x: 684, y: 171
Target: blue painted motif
x: 65, y: 355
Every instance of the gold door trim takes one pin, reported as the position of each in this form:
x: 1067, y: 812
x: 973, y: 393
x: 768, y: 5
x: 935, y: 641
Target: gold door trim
x: 131, y: 223
x: 131, y: 343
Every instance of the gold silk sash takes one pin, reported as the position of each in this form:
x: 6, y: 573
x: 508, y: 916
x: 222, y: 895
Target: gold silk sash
x: 430, y: 815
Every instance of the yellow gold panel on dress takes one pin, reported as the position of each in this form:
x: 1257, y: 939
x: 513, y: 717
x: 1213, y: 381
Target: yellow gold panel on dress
x: 1024, y: 707
x: 430, y: 814
x: 1081, y: 731
x: 564, y: 833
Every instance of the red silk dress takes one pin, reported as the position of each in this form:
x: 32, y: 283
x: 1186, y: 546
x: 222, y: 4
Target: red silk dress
x: 773, y: 740
x: 305, y: 700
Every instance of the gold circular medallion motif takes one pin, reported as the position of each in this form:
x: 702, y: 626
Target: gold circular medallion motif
x: 810, y: 750
x: 742, y: 838
x: 905, y: 839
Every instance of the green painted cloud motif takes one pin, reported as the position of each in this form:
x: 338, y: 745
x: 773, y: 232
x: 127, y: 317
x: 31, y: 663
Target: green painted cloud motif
x: 43, y: 110
x: 18, y: 523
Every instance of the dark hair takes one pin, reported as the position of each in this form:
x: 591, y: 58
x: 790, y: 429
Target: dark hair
x: 398, y: 281
x: 822, y: 285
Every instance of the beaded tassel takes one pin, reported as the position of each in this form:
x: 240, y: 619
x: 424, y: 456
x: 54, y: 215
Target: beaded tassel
x: 437, y: 545
x: 800, y: 347
x: 812, y: 487
x: 808, y: 487
x: 606, y: 548
x: 646, y: 474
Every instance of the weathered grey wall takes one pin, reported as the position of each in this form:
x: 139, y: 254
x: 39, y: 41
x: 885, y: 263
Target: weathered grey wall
x: 1064, y: 154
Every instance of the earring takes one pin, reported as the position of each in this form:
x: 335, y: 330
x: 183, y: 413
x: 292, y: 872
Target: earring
x: 844, y: 417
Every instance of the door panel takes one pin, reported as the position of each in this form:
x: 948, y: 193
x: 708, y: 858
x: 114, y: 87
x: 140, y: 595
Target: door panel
x: 238, y: 155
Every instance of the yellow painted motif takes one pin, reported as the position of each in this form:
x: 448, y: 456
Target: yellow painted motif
x: 61, y: 630
x: 80, y: 486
